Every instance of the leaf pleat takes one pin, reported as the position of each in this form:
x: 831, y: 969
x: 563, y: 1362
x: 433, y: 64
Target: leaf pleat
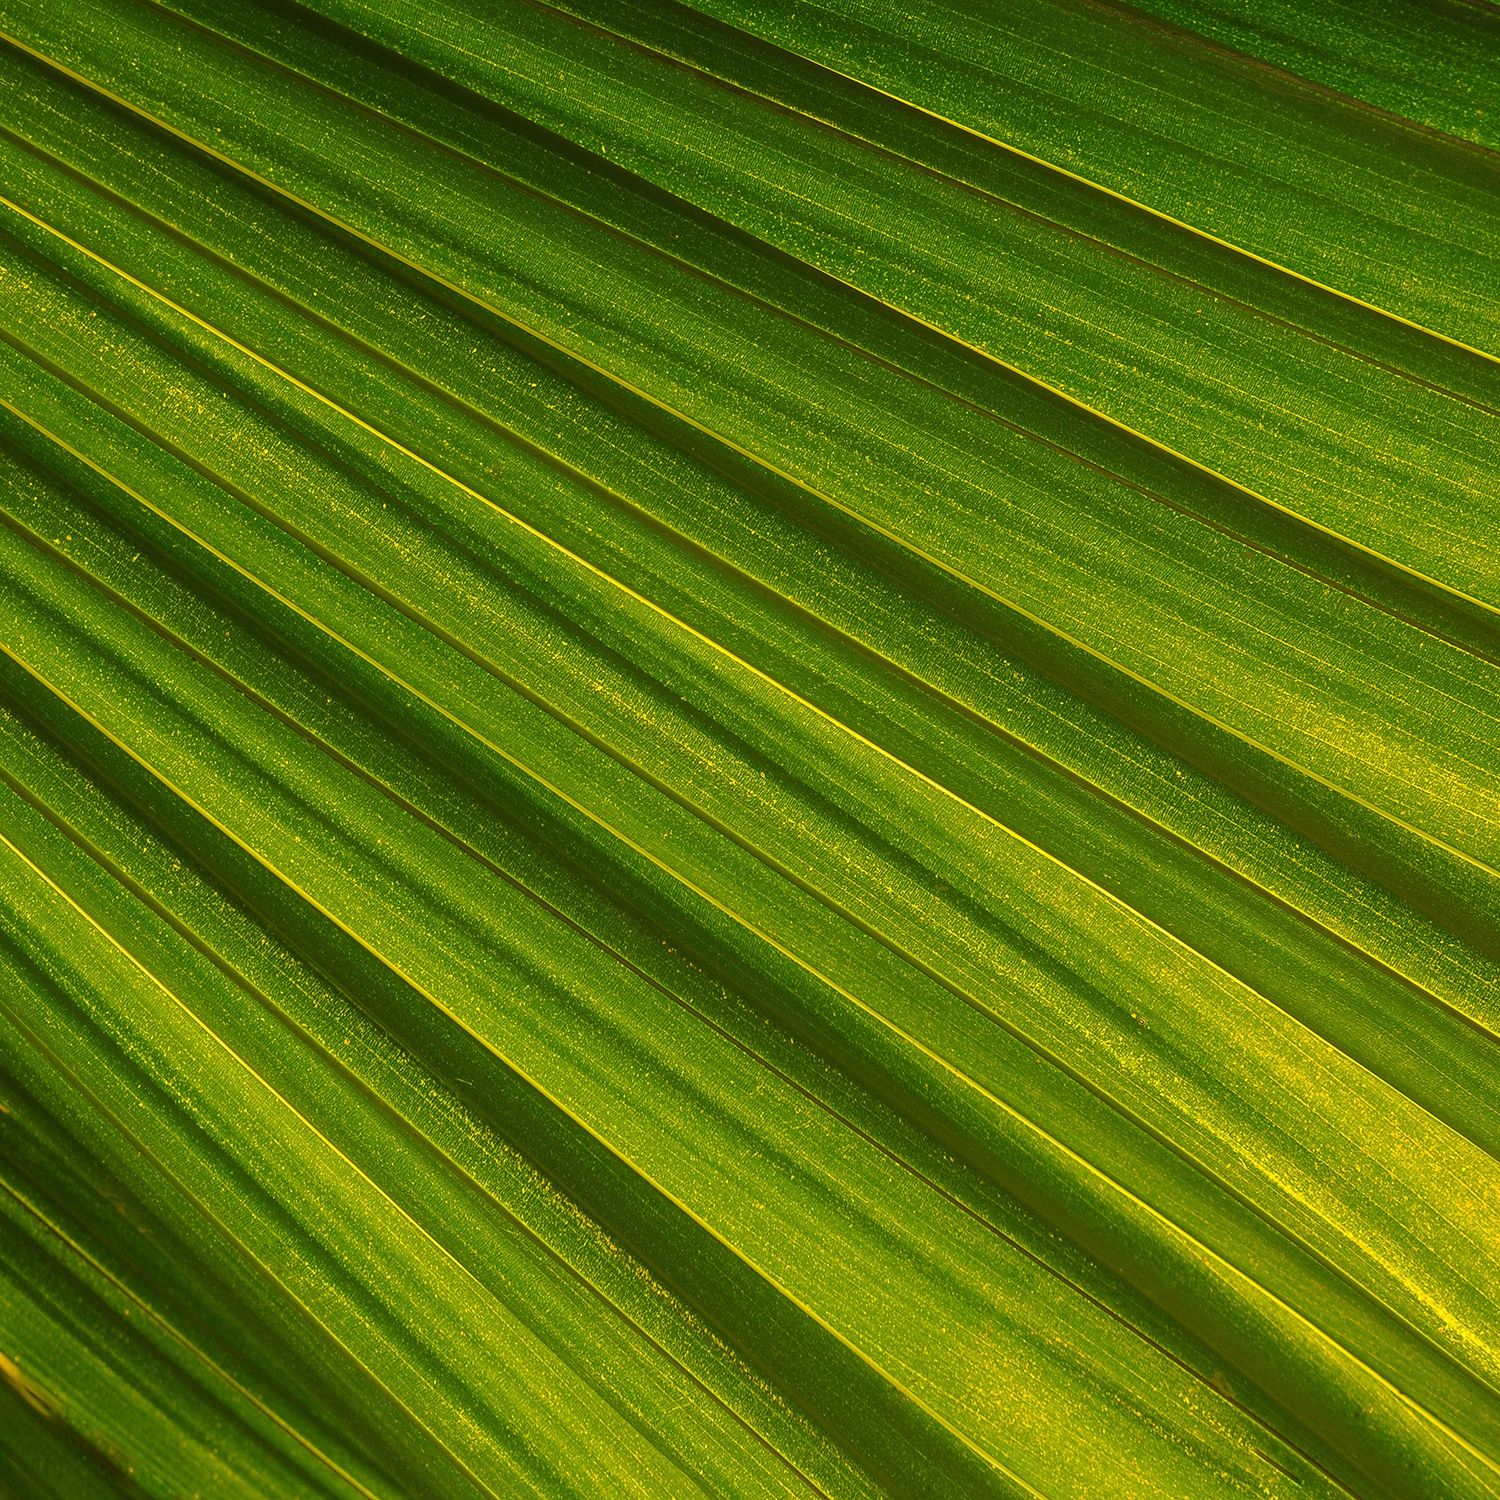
x: 748, y: 750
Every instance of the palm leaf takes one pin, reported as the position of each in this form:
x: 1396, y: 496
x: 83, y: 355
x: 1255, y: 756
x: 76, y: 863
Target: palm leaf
x: 748, y: 750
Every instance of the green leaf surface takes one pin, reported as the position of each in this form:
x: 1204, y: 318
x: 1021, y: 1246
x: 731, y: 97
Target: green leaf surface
x: 1434, y: 63
x: 742, y: 761
x: 1365, y: 206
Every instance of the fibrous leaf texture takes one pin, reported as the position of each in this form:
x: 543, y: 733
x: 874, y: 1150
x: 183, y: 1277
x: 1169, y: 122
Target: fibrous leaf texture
x: 749, y: 749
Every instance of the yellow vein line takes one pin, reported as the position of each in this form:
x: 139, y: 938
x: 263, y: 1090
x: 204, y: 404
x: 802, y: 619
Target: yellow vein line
x: 923, y: 966
x: 180, y: 1338
x: 1135, y: 203
x: 1221, y: 975
x: 831, y: 126
x: 416, y: 457
x: 1108, y: 1186
x: 38, y: 1040
x: 353, y: 1167
x: 431, y: 996
x: 1062, y: 393
x: 930, y: 783
x: 958, y: 705
x: 931, y: 558
x: 556, y: 912
x: 105, y: 861
x: 787, y: 477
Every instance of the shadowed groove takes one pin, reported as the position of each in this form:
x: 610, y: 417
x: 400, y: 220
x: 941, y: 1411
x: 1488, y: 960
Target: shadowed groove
x: 819, y: 905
